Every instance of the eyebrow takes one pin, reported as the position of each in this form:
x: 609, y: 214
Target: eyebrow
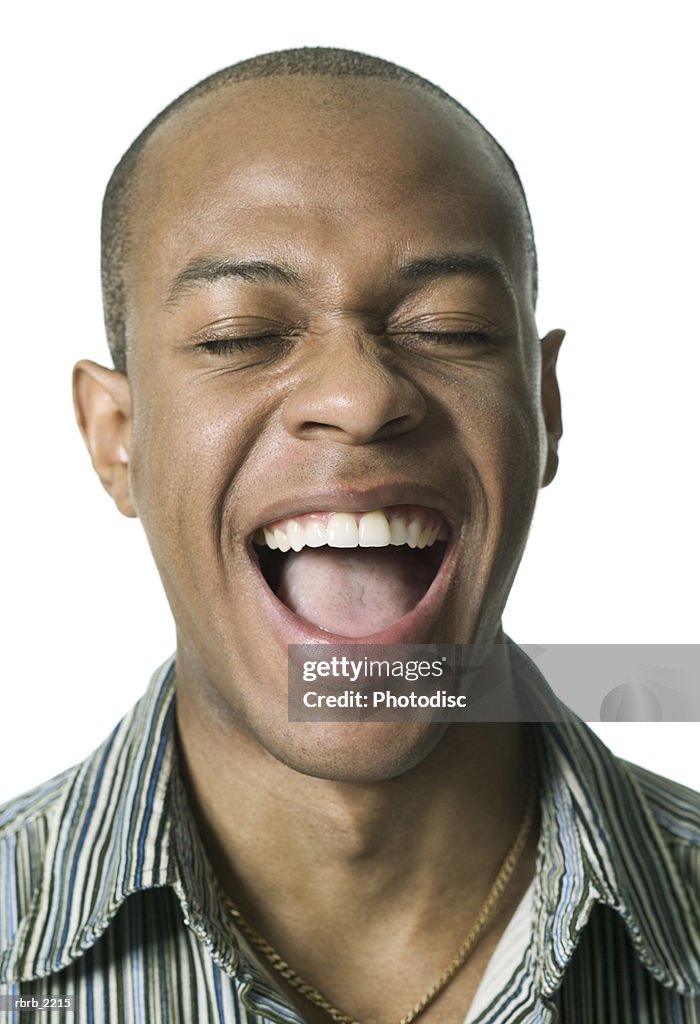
x: 476, y: 264
x: 207, y: 270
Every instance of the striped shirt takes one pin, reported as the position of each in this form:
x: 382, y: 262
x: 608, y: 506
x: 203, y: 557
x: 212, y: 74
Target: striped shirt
x: 107, y: 896
x: 505, y: 958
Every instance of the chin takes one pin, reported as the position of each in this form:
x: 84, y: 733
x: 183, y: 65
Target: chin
x: 364, y: 752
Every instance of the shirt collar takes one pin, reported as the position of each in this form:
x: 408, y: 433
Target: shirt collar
x: 600, y: 844
x: 123, y: 826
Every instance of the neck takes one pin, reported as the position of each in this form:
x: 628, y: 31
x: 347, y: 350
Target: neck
x: 436, y: 830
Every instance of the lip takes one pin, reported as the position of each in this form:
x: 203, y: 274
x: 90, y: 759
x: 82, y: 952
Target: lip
x: 414, y: 628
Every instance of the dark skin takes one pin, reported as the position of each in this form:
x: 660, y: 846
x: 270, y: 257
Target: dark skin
x: 364, y: 384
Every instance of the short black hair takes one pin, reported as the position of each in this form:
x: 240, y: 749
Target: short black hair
x: 304, y: 61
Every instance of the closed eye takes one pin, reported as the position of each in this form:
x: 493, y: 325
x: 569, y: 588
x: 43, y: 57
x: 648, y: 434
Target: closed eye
x: 453, y: 328
x: 455, y: 337
x: 225, y: 346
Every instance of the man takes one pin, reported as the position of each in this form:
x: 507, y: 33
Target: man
x: 332, y: 413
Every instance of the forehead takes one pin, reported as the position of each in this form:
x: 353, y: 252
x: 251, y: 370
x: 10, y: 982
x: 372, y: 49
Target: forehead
x: 380, y: 170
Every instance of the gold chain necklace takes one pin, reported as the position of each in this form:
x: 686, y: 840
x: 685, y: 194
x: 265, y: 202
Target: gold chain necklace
x: 312, y: 994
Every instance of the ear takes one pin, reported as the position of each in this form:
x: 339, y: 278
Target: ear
x: 551, y: 402
x: 102, y: 399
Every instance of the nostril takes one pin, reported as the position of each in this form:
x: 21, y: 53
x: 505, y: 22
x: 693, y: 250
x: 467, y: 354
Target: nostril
x: 399, y: 425
x: 360, y: 434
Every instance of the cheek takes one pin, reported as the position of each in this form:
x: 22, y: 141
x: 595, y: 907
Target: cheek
x: 201, y: 442
x: 185, y: 452
x: 497, y: 416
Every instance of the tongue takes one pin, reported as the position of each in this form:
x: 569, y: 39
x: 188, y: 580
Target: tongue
x: 355, y: 591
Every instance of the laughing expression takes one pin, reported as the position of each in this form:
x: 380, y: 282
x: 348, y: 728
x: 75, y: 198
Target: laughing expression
x: 339, y: 418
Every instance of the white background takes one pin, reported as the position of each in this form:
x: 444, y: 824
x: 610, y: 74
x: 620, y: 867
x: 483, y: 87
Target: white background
x: 596, y: 105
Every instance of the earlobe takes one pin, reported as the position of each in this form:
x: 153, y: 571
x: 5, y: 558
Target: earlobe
x: 102, y: 399
x: 551, y: 402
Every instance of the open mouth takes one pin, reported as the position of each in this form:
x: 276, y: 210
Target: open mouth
x: 353, y: 574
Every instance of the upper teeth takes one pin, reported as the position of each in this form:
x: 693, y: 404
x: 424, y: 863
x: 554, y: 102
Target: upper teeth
x: 417, y: 527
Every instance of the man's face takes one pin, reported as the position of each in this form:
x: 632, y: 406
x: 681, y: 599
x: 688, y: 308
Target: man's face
x: 329, y: 316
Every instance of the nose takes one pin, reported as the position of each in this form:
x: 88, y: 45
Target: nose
x: 353, y: 392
